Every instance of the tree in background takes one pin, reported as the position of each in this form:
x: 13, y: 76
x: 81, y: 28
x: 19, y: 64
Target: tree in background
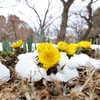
x: 42, y: 23
x: 84, y: 21
x: 3, y: 32
x: 96, y: 21
x: 82, y: 27
x: 88, y: 19
x: 66, y: 6
x: 79, y: 27
x: 13, y: 29
x: 95, y: 31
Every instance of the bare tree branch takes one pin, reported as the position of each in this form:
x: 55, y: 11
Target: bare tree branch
x: 7, y: 6
x: 34, y: 11
x: 45, y: 17
x: 43, y: 25
x: 2, y: 1
x: 62, y: 1
x: 95, y: 1
x: 88, y: 20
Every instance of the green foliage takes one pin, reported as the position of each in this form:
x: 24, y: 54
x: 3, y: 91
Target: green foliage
x: 6, y: 53
x: 6, y: 46
x: 48, y: 40
x: 11, y: 49
x: 24, y: 46
x: 35, y: 46
x: 1, y: 53
x: 42, y: 38
x: 29, y: 43
x: 67, y: 90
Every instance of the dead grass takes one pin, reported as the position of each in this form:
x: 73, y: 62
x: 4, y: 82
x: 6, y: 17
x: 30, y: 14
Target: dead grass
x: 86, y: 87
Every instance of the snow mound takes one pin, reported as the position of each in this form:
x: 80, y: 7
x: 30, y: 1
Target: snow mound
x: 78, y: 60
x: 27, y: 69
x: 4, y: 74
x: 66, y: 69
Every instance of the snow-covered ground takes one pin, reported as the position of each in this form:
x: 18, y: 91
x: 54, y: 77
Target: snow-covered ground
x: 94, y: 46
x: 0, y: 46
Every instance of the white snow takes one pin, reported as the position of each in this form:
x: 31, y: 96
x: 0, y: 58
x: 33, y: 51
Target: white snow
x: 27, y: 69
x: 0, y: 46
x: 66, y: 69
x: 78, y: 60
x: 58, y: 76
x: 63, y: 59
x: 4, y: 74
x: 83, y: 60
x: 94, y: 46
x: 27, y: 56
x: 94, y: 63
x: 68, y: 73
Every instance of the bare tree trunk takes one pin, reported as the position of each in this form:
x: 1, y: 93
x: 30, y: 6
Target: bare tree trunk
x: 14, y: 28
x: 66, y: 6
x: 85, y: 36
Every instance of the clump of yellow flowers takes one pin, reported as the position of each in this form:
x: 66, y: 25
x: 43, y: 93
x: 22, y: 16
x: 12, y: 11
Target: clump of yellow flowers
x: 84, y: 44
x: 17, y: 44
x: 71, y: 48
x: 48, y: 55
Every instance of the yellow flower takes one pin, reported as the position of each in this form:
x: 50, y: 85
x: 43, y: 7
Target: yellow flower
x: 12, y: 53
x: 16, y: 44
x: 62, y: 46
x: 43, y: 46
x: 84, y: 44
x: 49, y: 57
x: 72, y: 48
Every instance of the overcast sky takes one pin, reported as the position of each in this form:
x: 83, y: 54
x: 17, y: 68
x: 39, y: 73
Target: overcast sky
x: 26, y: 14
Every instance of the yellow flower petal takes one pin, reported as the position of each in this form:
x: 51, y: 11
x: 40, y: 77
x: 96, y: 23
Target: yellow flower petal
x: 16, y: 44
x: 49, y: 57
x: 43, y: 46
x: 72, y: 49
x: 62, y: 46
x: 84, y: 44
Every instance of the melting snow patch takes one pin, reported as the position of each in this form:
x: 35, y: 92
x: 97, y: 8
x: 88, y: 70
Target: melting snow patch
x: 4, y: 73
